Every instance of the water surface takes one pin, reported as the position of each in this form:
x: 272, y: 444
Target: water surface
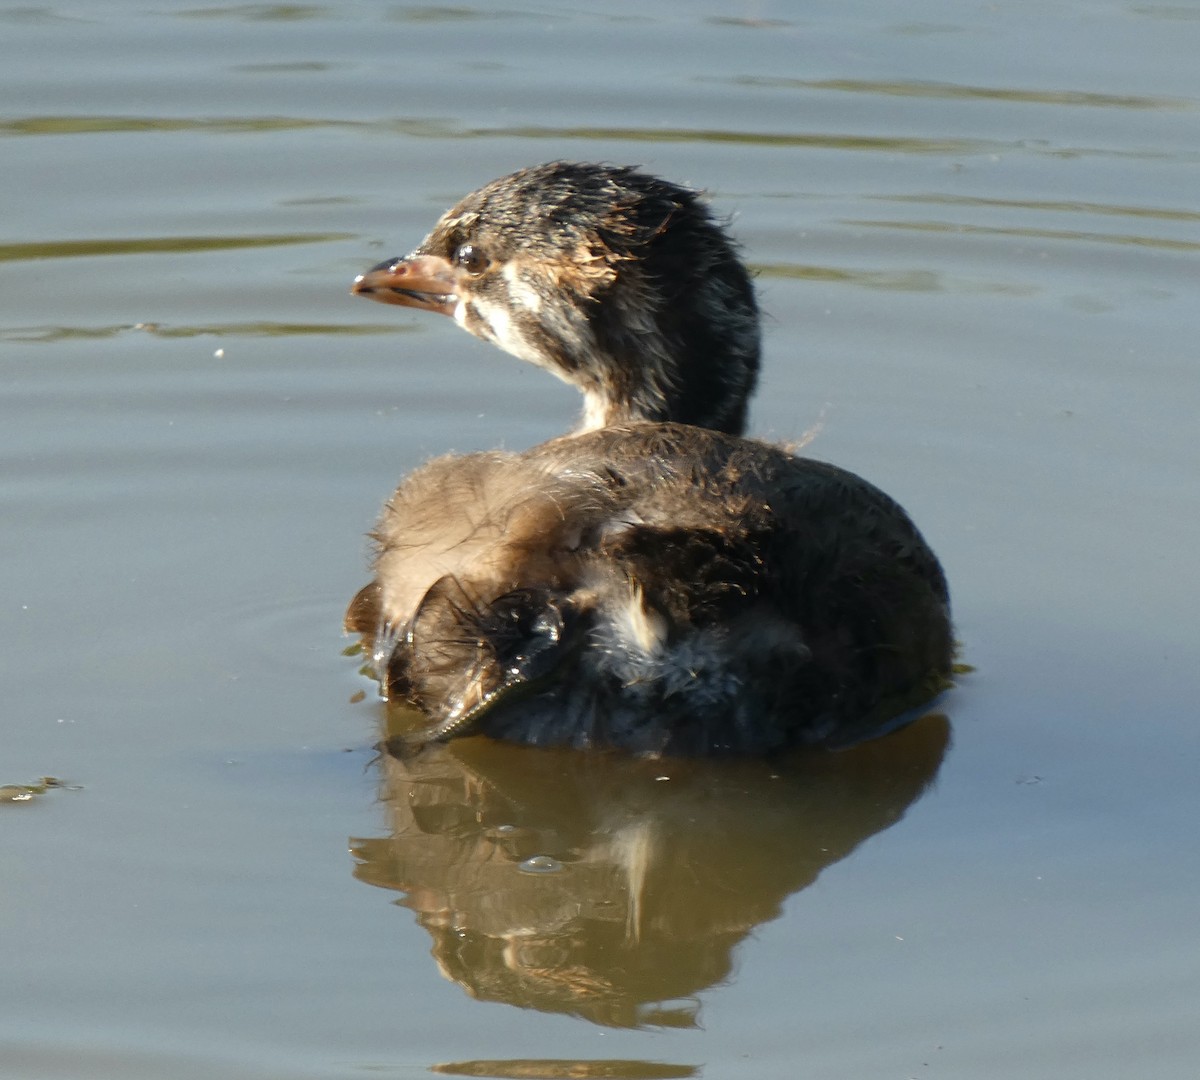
x: 977, y: 233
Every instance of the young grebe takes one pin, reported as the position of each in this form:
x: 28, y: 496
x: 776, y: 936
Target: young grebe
x: 652, y: 581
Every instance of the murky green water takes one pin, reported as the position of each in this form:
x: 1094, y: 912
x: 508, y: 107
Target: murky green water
x: 978, y: 235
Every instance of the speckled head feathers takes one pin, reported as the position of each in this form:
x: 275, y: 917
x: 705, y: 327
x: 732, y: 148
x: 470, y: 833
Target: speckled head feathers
x: 614, y: 280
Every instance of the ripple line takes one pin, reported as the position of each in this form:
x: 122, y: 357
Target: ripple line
x: 156, y: 245
x: 956, y: 91
x: 1033, y: 234
x: 46, y: 334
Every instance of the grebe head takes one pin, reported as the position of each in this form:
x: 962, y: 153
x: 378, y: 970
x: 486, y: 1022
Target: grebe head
x: 617, y: 282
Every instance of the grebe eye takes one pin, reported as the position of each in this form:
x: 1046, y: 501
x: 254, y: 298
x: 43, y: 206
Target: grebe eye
x: 471, y: 259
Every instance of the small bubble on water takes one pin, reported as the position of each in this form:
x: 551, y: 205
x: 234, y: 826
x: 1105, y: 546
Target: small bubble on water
x: 540, y: 864
x: 500, y: 833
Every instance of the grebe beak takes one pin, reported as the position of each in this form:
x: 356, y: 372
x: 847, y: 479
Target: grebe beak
x: 427, y: 282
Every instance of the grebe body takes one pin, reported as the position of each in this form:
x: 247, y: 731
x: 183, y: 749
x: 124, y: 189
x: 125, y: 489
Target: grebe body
x: 653, y: 581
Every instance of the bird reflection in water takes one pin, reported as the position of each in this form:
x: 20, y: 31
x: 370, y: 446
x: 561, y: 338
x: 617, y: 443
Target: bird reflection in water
x: 616, y: 888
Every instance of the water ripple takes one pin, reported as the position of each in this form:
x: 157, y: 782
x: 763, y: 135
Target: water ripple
x: 441, y: 128
x: 1064, y: 206
x: 108, y: 125
x: 954, y: 91
x: 817, y: 140
x: 48, y: 334
x: 912, y: 280
x: 259, y: 12
x: 573, y: 1068
x: 152, y: 245
x: 1073, y: 235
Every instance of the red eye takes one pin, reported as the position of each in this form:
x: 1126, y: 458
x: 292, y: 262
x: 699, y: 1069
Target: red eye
x: 471, y: 259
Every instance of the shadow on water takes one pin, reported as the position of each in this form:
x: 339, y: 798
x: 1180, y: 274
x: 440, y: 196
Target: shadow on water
x: 616, y: 888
